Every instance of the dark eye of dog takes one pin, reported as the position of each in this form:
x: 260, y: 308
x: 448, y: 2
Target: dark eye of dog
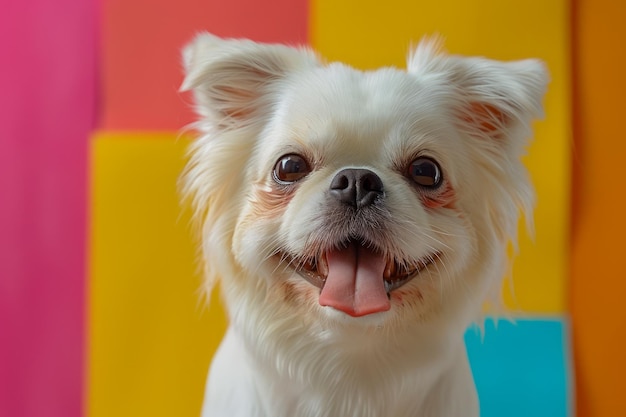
x: 291, y: 168
x: 425, y: 172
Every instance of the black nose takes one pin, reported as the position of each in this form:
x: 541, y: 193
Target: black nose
x: 356, y: 187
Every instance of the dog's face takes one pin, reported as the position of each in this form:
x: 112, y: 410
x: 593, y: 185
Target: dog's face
x: 352, y: 195
x: 339, y: 196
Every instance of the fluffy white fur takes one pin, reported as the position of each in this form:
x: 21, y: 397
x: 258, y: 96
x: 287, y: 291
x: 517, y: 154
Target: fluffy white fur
x: 284, y: 354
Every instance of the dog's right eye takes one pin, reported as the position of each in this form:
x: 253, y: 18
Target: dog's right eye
x: 426, y: 172
x: 290, y: 168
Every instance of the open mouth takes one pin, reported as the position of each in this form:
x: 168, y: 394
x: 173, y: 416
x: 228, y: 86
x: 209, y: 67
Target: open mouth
x: 315, y: 270
x: 355, y: 278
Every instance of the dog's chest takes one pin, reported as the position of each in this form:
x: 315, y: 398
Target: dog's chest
x: 345, y: 401
x: 340, y: 391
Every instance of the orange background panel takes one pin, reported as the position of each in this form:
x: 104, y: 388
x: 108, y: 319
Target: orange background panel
x: 141, y: 43
x: 598, y: 285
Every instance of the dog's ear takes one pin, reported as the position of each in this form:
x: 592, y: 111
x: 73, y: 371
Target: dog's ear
x: 232, y: 79
x: 493, y: 99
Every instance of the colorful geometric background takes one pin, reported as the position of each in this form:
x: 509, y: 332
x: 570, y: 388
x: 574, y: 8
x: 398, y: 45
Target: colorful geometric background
x: 100, y: 313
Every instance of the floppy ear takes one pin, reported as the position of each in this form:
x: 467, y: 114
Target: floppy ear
x: 494, y: 99
x: 231, y: 79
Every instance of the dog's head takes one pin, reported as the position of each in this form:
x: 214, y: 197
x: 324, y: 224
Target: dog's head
x: 330, y: 193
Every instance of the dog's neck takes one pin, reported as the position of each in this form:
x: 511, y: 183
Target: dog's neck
x: 344, y: 382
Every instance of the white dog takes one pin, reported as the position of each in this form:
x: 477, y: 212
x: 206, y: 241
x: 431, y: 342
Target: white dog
x: 356, y: 221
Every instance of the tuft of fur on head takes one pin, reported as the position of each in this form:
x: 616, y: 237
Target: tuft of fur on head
x: 269, y: 237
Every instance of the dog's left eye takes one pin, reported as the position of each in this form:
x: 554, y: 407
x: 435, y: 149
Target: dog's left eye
x: 290, y: 168
x: 425, y: 172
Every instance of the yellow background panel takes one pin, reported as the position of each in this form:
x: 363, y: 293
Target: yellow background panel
x: 369, y: 33
x: 150, y: 335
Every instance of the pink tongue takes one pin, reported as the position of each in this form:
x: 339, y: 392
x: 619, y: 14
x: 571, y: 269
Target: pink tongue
x: 355, y: 283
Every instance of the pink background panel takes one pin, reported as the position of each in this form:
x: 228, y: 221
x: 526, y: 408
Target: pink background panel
x: 141, y: 44
x: 47, y: 80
